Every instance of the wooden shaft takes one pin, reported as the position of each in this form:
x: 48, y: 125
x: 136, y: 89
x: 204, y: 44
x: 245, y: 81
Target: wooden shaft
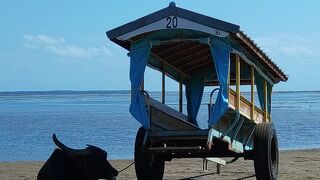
x: 163, y: 86
x: 265, y: 101
x: 180, y: 95
x: 252, y: 92
x: 238, y: 82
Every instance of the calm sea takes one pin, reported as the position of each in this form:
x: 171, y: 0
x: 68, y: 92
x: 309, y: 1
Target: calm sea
x: 101, y: 118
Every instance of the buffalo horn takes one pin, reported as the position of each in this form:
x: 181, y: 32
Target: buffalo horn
x: 80, y: 152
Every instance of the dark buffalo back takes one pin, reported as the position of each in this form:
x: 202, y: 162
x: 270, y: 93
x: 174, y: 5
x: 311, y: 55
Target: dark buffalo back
x: 60, y: 166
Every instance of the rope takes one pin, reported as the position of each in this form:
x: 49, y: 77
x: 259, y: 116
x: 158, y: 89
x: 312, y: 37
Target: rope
x: 126, y: 167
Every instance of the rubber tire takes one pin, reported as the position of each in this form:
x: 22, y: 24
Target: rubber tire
x: 146, y: 169
x: 266, y: 152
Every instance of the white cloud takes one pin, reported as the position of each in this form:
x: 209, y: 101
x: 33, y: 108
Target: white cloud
x: 44, y: 39
x: 59, y: 47
x: 294, y: 46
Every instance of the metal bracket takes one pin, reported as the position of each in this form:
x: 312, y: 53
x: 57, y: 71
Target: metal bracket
x: 232, y: 125
x: 237, y: 129
x: 250, y: 135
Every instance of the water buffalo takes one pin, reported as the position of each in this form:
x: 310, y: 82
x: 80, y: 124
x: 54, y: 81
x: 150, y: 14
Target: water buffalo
x: 77, y: 164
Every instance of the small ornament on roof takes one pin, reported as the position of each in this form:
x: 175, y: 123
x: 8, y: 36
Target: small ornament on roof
x: 172, y: 4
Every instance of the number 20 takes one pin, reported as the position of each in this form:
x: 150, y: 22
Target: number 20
x: 172, y: 22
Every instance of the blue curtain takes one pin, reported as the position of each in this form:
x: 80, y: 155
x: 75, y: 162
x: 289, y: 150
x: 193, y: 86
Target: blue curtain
x: 260, y: 88
x: 194, y: 92
x: 139, y: 55
x: 220, y: 50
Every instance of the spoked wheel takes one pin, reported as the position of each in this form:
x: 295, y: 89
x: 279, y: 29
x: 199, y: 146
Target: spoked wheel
x: 266, y: 153
x: 148, y: 166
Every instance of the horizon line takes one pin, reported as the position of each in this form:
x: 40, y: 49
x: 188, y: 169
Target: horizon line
x: 125, y: 90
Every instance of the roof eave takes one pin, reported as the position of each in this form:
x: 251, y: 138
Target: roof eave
x: 176, y: 11
x: 281, y: 76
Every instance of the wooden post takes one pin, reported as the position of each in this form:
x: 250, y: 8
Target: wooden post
x: 163, y: 85
x: 265, y: 101
x: 238, y: 82
x: 180, y: 95
x: 252, y: 92
x: 270, y: 100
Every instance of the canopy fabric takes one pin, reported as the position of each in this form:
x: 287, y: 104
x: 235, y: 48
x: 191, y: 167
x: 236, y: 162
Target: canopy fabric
x: 220, y: 50
x: 194, y: 92
x: 139, y: 56
x: 260, y: 89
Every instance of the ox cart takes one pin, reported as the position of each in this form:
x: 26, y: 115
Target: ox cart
x: 200, y: 52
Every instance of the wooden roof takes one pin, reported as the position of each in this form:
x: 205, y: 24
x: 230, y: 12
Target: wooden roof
x: 190, y: 57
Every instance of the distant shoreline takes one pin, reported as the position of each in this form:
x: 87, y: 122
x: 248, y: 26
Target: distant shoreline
x: 121, y: 91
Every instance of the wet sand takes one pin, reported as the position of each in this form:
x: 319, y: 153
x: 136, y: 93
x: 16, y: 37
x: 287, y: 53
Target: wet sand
x: 294, y: 164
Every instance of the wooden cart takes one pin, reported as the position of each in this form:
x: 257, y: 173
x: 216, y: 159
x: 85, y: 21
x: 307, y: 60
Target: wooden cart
x: 198, y: 51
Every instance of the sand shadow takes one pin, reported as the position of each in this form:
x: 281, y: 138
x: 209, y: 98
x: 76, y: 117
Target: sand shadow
x: 193, y: 177
x: 190, y: 178
x: 246, y: 177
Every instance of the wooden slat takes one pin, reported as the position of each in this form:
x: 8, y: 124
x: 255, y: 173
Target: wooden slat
x: 204, y: 68
x: 183, y: 52
x: 197, y: 64
x: 165, y: 49
x: 185, y: 76
x: 192, y: 54
x: 246, y: 107
x: 232, y: 82
x: 166, y: 118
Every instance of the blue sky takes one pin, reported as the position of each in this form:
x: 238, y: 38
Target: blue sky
x: 61, y: 45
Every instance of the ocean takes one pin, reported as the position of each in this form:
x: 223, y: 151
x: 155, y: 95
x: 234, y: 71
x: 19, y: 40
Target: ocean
x: 101, y: 118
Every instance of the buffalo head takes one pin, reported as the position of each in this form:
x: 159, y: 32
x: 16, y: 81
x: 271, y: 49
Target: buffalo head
x: 87, y: 164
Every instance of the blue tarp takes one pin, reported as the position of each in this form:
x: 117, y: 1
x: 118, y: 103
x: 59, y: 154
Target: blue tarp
x: 139, y: 56
x: 220, y: 50
x: 194, y: 92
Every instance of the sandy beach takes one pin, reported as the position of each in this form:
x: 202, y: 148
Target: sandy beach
x: 294, y: 164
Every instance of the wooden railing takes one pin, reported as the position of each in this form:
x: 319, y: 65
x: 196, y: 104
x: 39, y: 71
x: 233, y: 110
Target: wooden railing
x: 246, y: 108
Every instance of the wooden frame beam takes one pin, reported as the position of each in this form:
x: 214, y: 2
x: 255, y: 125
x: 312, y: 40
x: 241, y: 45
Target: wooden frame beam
x: 163, y: 96
x: 169, y: 65
x: 238, y: 82
x: 252, y: 92
x: 166, y: 50
x: 265, y: 101
x: 180, y: 95
x: 190, y: 55
x: 184, y: 50
x: 197, y: 65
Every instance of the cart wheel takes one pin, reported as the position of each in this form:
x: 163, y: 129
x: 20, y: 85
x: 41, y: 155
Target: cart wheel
x: 266, y: 154
x: 147, y: 166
